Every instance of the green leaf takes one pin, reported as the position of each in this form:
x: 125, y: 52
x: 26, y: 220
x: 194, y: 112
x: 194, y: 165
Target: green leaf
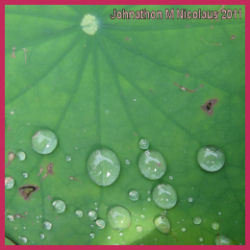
x: 132, y: 79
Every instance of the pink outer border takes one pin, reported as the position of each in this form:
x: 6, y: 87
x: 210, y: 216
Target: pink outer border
x: 118, y: 2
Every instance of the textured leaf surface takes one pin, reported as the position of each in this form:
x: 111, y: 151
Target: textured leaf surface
x: 109, y: 90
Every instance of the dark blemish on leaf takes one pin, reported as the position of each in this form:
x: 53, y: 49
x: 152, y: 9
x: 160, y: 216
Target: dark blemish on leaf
x: 208, y: 106
x: 128, y: 39
x: 25, y: 55
x: 49, y: 170
x: 13, y: 55
x: 40, y: 172
x: 72, y: 178
x: 26, y: 191
x: 184, y: 89
x: 233, y: 37
x: 11, y: 157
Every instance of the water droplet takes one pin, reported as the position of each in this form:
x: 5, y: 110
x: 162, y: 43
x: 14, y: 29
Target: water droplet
x: 133, y: 195
x: 92, y: 235
x: 164, y: 196
x: 21, y: 155
x: 42, y: 236
x: 162, y: 224
x: 68, y: 158
x: 183, y: 229
x: 103, y: 167
x: 47, y: 225
x: 127, y: 162
x: 10, y: 217
x: 139, y: 229
x: 222, y: 240
x: 92, y: 214
x: 142, y: 216
x: 89, y: 24
x: 23, y: 239
x: 152, y: 165
x: 197, y: 220
x: 100, y: 223
x: 79, y: 213
x: 121, y: 233
x: 11, y: 157
x: 119, y: 218
x: 59, y: 206
x: 109, y: 237
x: 219, y: 213
x: 201, y: 239
x: 215, y: 226
x: 170, y: 177
x: 149, y: 199
x: 9, y: 182
x: 210, y: 158
x: 44, y: 141
x: 143, y: 144
x: 25, y: 175
x: 190, y: 199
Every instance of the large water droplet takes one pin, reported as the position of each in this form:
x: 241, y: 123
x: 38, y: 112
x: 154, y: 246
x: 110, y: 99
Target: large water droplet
x: 103, y: 167
x: 89, y: 24
x: 92, y: 214
x: 119, y: 218
x: 215, y: 226
x: 21, y: 155
x: 9, y: 182
x: 152, y: 165
x: 100, y: 223
x: 133, y: 195
x: 164, y: 196
x: 143, y: 144
x: 210, y: 158
x: 222, y: 240
x: 59, y: 206
x: 47, y: 225
x: 44, y: 141
x: 197, y: 220
x: 162, y: 224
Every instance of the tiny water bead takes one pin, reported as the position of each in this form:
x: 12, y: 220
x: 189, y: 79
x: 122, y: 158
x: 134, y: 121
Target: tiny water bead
x: 9, y: 182
x: 21, y: 155
x: 25, y: 175
x: 42, y: 236
x: 68, y: 158
x: 100, y: 223
x: 190, y: 199
x: 59, y: 206
x: 215, y: 226
x: 143, y: 144
x: 139, y: 229
x: 183, y: 229
x: 23, y: 239
x: 152, y: 165
x: 197, y: 220
x: 44, y: 141
x: 222, y: 240
x: 47, y: 225
x: 133, y: 195
x: 79, y: 213
x: 210, y: 158
x: 164, y: 196
x: 103, y: 167
x: 92, y: 214
x: 119, y: 218
x: 89, y: 24
x: 92, y: 235
x: 162, y: 224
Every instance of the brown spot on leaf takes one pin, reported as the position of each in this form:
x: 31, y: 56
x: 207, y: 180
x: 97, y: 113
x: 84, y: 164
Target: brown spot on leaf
x: 11, y: 157
x: 209, y: 105
x: 49, y: 170
x: 27, y: 190
x: 233, y: 37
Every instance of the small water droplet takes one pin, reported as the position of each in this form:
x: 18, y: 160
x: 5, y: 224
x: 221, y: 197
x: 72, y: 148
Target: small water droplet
x: 89, y: 24
x: 219, y: 213
x: 10, y: 217
x: 164, y: 196
x: 21, y: 155
x: 9, y: 182
x: 127, y: 162
x: 23, y: 239
x: 79, y: 213
x: 183, y: 229
x: 119, y: 218
x: 170, y: 177
x: 143, y: 144
x: 133, y: 195
x: 210, y: 158
x: 139, y: 229
x: 152, y: 165
x: 100, y: 223
x: 215, y: 226
x: 42, y: 236
x: 197, y: 220
x: 222, y: 240
x: 121, y: 233
x: 109, y: 237
x: 59, y: 206
x: 92, y: 235
x: 162, y: 224
x: 44, y: 141
x: 142, y: 216
x: 12, y: 112
x: 201, y: 239
x: 92, y: 214
x: 25, y: 175
x: 68, y: 158
x: 149, y: 199
x: 47, y: 225
x: 103, y: 167
x: 190, y: 199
